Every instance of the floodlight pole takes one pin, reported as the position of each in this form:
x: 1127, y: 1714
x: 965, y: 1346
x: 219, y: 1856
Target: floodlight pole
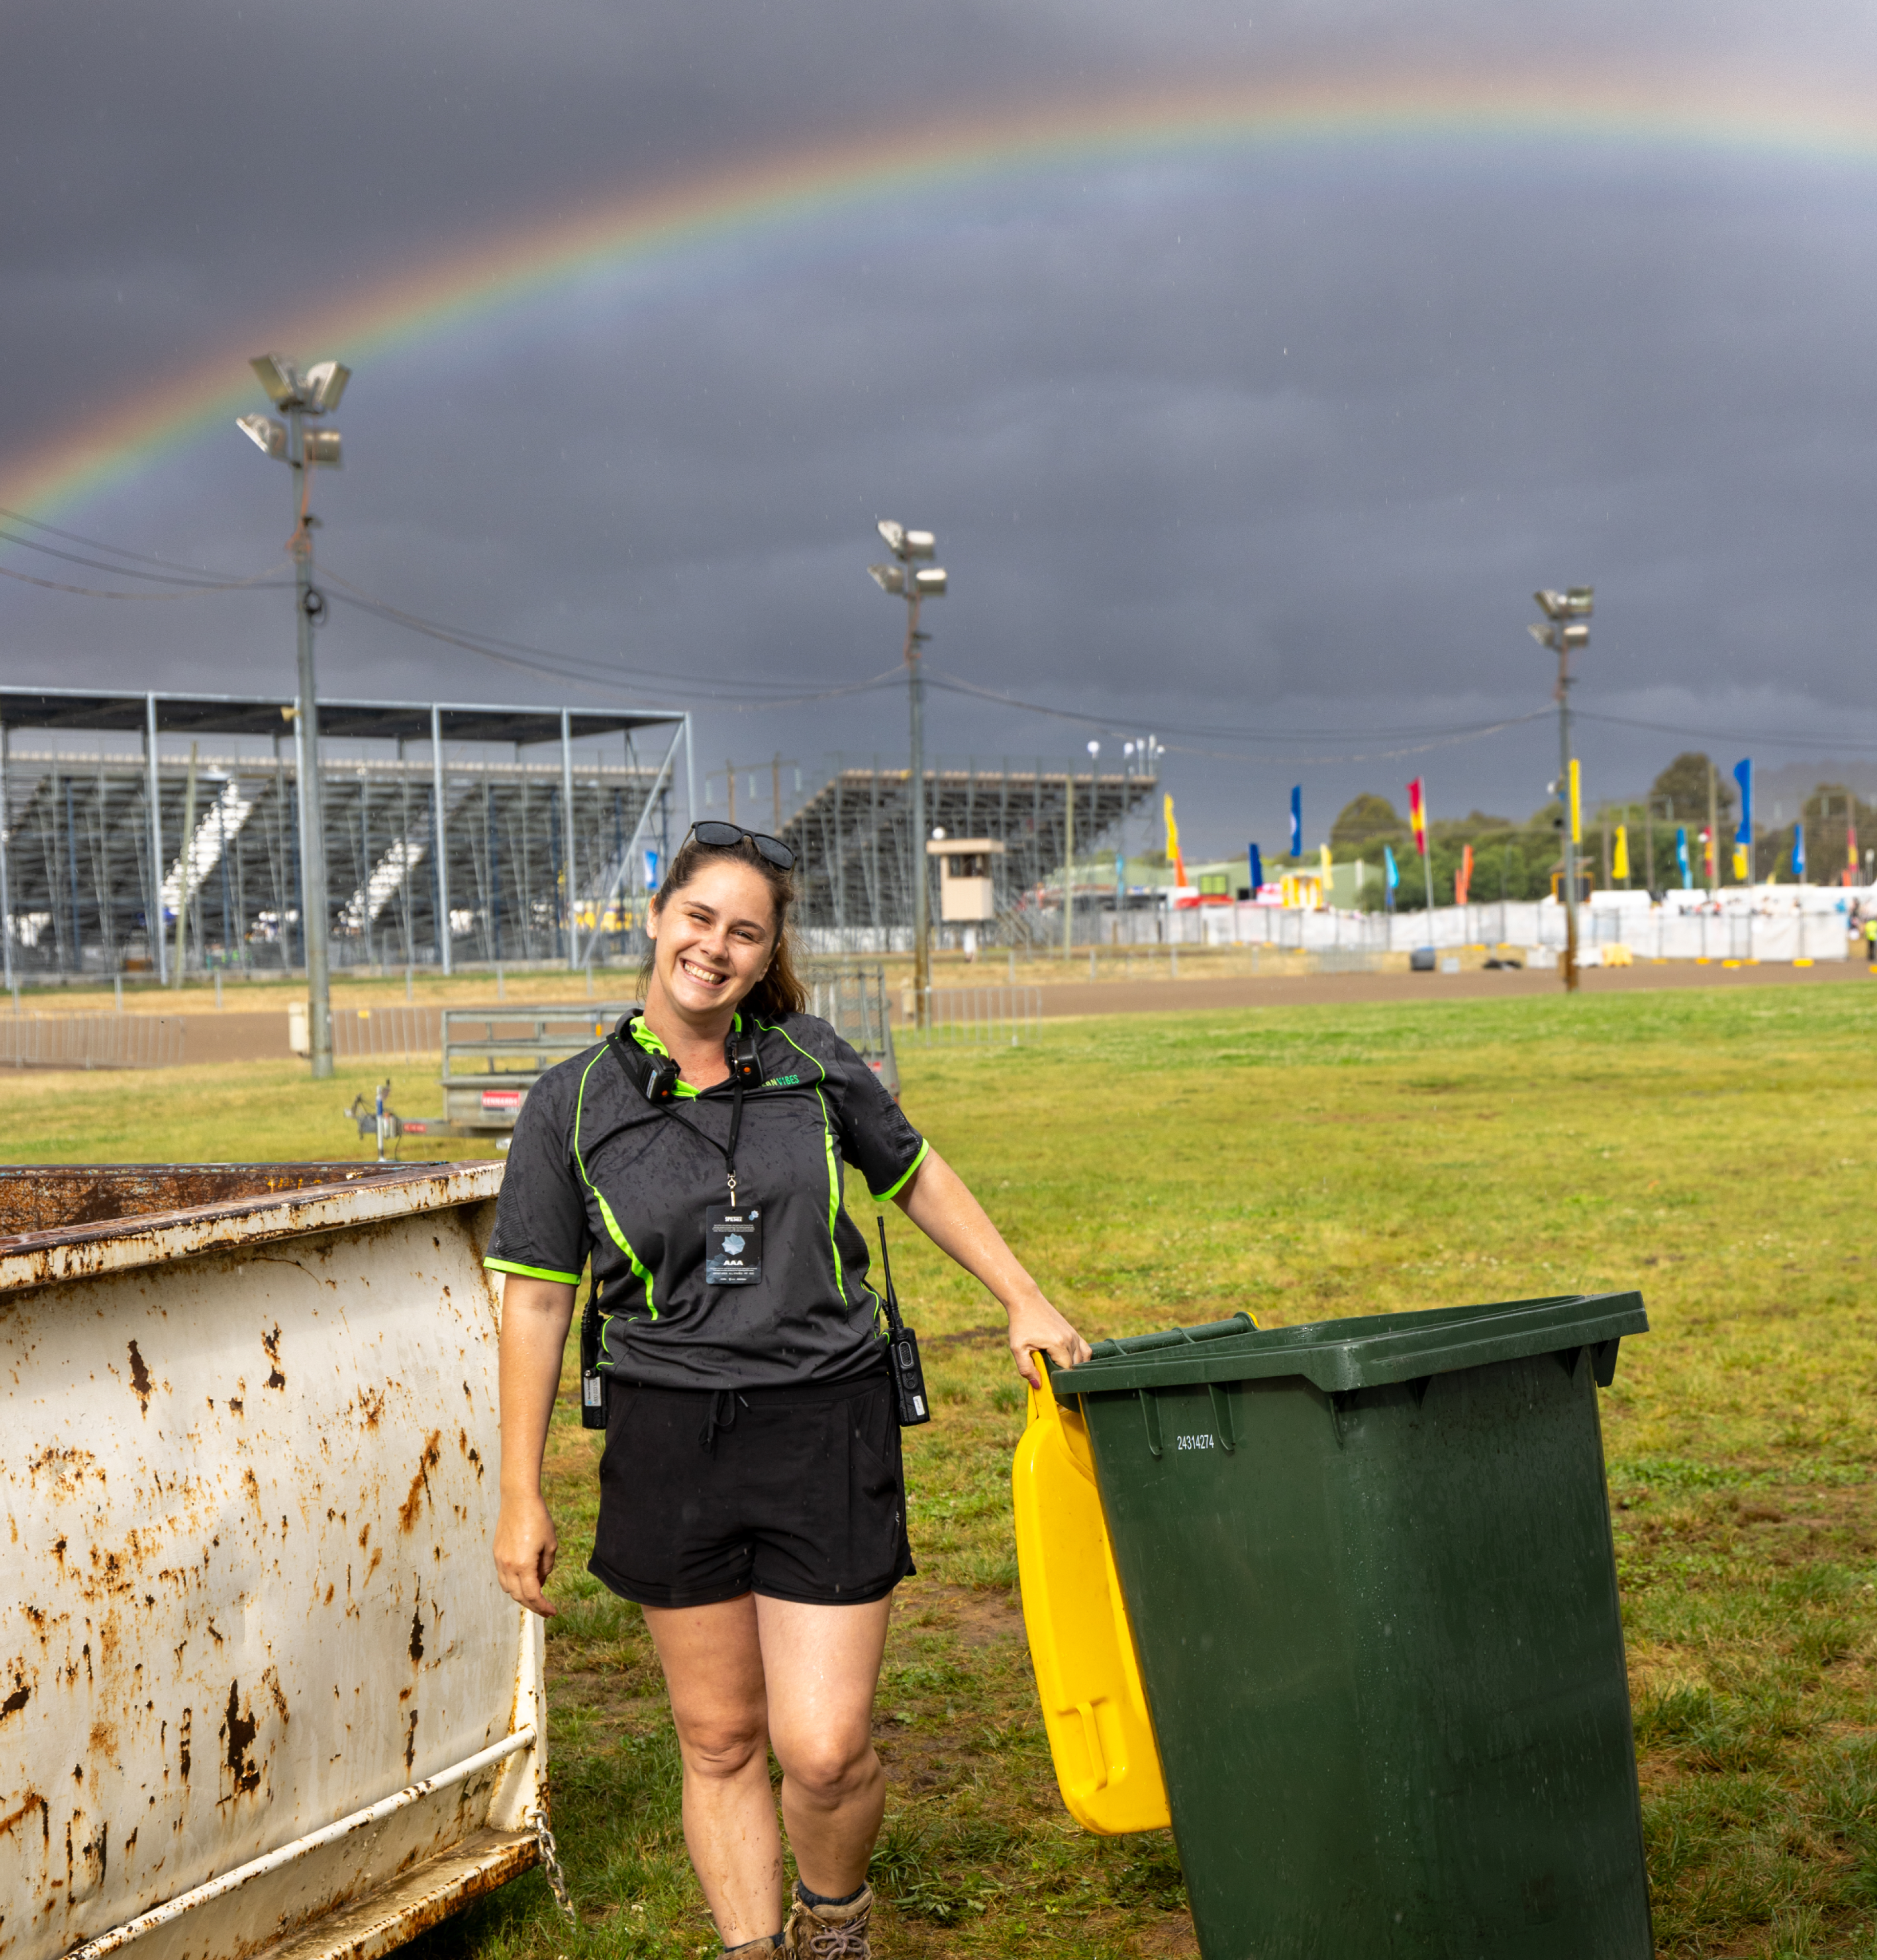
x: 307, y: 607
x: 1570, y: 842
x: 921, y: 897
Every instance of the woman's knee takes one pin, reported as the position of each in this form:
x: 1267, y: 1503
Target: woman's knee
x: 830, y: 1770
x: 721, y: 1746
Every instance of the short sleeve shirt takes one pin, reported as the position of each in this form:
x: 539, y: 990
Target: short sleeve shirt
x: 596, y: 1171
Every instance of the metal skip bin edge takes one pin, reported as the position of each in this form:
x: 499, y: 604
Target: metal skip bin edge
x: 1369, y: 1568
x: 259, y: 1692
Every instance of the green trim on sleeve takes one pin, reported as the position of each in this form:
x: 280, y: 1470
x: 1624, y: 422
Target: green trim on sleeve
x: 531, y: 1272
x: 894, y: 1190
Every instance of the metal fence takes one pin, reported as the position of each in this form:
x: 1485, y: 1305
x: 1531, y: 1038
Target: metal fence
x: 405, y: 1032
x: 91, y: 1041
x: 988, y: 1014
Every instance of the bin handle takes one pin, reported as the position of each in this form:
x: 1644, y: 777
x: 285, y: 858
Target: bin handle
x: 1151, y: 1415
x: 1222, y: 1418
x: 1091, y: 1741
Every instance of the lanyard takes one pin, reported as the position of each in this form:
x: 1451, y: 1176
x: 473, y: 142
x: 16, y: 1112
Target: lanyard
x: 728, y: 1154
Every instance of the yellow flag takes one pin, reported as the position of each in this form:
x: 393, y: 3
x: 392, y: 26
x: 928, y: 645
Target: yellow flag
x: 1576, y: 805
x: 1173, y: 856
x: 1740, y: 864
x: 1619, y: 860
x: 1326, y: 863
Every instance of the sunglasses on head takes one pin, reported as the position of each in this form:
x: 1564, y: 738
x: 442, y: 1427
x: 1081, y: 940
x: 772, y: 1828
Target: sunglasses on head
x: 727, y: 836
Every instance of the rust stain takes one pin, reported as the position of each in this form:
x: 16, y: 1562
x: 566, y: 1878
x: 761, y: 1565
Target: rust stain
x: 420, y: 1484
x: 270, y: 1680
x: 182, y: 1744
x: 139, y: 1378
x: 33, y: 1802
x: 410, y: 1742
x: 371, y: 1407
x: 17, y: 1700
x: 417, y: 1635
x: 270, y: 1342
x: 240, y: 1730
x: 103, y: 1739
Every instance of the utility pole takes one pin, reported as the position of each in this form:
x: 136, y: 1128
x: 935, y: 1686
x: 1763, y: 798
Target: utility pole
x: 1713, y: 828
x: 901, y: 581
x: 299, y: 448
x: 1068, y: 861
x: 1566, y: 612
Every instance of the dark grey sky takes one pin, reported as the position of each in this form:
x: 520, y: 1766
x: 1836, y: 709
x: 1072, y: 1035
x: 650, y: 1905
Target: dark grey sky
x: 1263, y: 451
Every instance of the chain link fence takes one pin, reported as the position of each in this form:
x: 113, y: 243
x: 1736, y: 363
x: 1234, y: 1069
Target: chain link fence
x: 91, y: 1041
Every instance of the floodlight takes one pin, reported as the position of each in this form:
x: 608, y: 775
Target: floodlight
x: 1095, y: 747
x: 267, y: 435
x: 888, y: 577
x: 894, y: 534
x: 326, y: 383
x: 277, y: 376
x: 1546, y: 636
x: 1579, y: 598
x: 1575, y: 635
x: 920, y: 544
x: 321, y: 445
x: 1553, y: 605
x: 929, y: 584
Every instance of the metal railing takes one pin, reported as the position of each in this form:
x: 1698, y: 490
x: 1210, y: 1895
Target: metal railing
x: 1003, y: 1015
x: 91, y: 1041
x: 405, y: 1032
x: 853, y: 1000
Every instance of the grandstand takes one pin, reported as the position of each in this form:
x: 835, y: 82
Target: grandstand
x: 93, y: 847
x: 853, y: 839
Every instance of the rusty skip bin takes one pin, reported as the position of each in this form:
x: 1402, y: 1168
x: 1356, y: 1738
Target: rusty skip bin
x: 259, y: 1692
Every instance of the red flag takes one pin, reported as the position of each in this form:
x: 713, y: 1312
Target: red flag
x: 1851, y: 854
x: 1463, y: 884
x: 1417, y: 815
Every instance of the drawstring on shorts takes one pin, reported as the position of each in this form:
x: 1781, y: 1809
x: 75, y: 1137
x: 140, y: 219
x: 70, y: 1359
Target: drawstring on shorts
x: 719, y: 1413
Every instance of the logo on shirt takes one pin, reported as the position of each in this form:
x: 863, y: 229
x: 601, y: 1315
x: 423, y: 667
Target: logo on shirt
x: 782, y: 1082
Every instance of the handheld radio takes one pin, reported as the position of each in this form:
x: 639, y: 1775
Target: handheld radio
x: 593, y: 1384
x: 902, y: 1351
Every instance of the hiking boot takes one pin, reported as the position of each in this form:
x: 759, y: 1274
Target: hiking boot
x: 828, y: 1932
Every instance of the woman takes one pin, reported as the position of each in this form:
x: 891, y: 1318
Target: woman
x: 751, y: 1496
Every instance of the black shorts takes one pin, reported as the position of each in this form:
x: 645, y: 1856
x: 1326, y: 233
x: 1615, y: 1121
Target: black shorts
x: 796, y: 1494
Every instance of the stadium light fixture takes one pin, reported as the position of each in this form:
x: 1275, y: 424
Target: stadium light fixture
x: 1566, y: 634
x: 302, y: 450
x: 898, y: 581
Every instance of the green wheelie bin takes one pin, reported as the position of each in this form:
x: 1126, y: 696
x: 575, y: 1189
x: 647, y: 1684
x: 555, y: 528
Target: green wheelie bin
x: 1368, y: 1568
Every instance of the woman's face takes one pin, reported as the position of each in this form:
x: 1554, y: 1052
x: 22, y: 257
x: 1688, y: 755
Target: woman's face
x: 712, y: 938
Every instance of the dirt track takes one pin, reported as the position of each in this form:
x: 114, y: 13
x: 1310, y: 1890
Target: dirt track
x: 1160, y: 997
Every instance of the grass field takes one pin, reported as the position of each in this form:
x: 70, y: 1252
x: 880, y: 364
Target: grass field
x: 1713, y: 1150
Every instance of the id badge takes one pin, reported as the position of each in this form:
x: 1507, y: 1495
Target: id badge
x: 733, y: 1244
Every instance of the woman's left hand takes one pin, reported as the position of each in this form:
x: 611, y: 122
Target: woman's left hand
x: 1037, y: 1328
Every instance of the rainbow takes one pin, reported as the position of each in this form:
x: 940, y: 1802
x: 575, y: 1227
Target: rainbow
x: 770, y: 193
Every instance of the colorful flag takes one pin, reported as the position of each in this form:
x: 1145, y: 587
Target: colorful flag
x: 1576, y: 802
x: 1417, y: 815
x: 1391, y: 877
x: 1707, y: 854
x: 1296, y: 822
x: 1851, y: 854
x: 1681, y: 858
x: 1798, y: 852
x: 1323, y: 854
x: 1741, y: 875
x: 1172, y: 846
x: 1743, y: 775
x: 1463, y: 884
x: 1255, y: 861
x: 1619, y: 858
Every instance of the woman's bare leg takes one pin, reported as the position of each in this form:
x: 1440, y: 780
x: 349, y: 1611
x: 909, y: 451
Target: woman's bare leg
x: 713, y: 1668
x: 821, y: 1665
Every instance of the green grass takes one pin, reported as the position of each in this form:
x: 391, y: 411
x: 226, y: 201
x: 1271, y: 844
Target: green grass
x: 1713, y: 1148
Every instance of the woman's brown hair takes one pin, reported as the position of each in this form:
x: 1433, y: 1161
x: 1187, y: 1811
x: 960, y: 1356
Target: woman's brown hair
x: 780, y: 990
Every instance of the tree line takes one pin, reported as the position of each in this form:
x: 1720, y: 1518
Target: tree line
x: 1524, y: 861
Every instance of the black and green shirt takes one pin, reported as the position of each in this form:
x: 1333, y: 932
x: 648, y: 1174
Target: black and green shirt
x: 595, y: 1170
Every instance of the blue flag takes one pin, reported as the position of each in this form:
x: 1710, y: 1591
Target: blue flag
x: 1798, y: 852
x: 1296, y: 822
x: 1682, y: 859
x: 1257, y: 863
x: 1391, y: 877
x: 1743, y: 775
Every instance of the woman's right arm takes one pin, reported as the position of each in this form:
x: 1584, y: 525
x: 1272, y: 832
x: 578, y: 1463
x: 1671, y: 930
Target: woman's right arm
x: 536, y: 1316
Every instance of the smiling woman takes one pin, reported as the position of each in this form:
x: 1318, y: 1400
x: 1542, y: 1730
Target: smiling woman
x: 752, y: 1498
